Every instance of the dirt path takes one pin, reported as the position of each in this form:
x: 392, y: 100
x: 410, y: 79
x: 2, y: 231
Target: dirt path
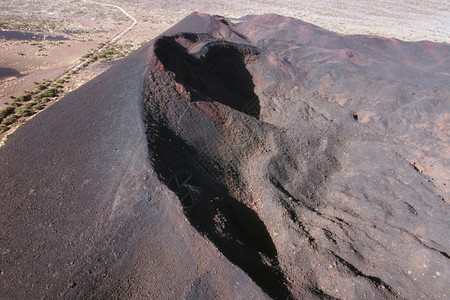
x: 112, y: 41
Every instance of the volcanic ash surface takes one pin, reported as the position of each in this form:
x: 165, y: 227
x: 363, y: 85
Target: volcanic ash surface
x: 266, y: 158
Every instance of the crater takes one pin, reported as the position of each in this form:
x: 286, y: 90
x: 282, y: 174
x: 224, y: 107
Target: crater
x: 211, y: 70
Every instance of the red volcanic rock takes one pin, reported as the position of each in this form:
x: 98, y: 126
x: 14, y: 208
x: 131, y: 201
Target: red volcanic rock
x: 264, y: 159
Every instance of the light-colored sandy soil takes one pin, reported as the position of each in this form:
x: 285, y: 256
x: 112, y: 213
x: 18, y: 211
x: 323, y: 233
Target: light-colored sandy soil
x: 85, y: 25
x: 409, y: 20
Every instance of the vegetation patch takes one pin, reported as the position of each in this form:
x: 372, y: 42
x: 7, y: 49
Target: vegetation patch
x: 31, y: 102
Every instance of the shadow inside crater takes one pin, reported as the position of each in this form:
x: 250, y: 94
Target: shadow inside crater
x: 219, y: 73
x: 236, y: 230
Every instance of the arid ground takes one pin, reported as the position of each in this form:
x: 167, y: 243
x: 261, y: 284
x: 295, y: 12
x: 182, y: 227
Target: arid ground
x: 229, y: 157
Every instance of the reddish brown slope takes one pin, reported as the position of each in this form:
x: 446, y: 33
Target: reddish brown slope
x: 301, y: 159
x: 83, y: 215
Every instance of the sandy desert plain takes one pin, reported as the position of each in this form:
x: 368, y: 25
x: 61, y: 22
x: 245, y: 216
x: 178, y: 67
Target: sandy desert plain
x: 67, y: 33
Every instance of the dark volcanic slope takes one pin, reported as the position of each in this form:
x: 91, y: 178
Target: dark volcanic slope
x: 268, y: 158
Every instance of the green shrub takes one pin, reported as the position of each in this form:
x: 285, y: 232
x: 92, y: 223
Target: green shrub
x: 29, y: 104
x: 24, y: 98
x: 9, y: 120
x: 42, y: 86
x: 86, y: 55
x: 6, y: 111
x: 24, y: 111
x: 51, y: 92
x: 39, y: 106
x: 3, y: 128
